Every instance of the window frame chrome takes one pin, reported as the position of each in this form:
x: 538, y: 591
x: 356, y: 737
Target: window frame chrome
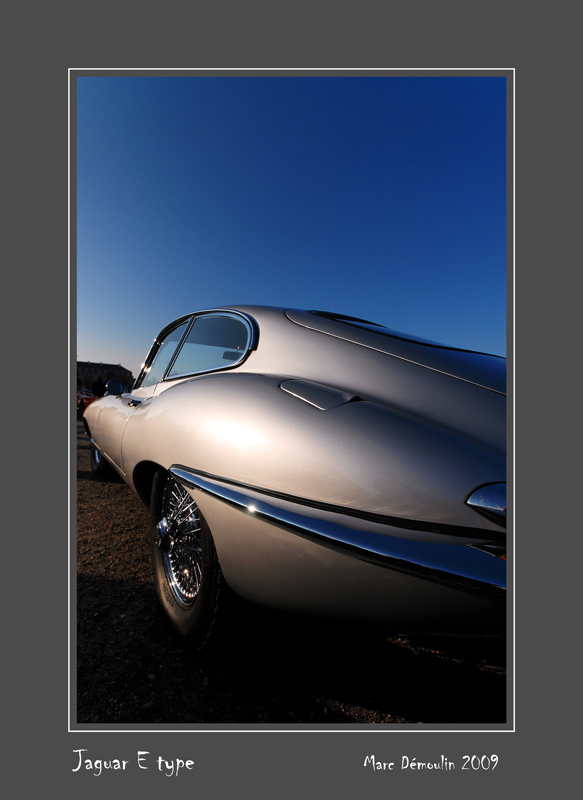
x: 158, y: 342
x: 251, y: 344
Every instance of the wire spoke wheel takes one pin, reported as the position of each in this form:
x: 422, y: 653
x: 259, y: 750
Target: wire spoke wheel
x: 187, y: 574
x: 179, y: 538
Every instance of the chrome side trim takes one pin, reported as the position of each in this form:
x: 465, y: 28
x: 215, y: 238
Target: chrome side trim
x: 445, y: 562
x: 416, y: 526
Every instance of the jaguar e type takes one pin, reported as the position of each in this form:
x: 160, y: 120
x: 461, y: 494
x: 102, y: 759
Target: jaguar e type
x: 318, y: 464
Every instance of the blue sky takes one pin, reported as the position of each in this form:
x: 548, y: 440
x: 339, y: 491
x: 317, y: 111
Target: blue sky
x: 377, y: 197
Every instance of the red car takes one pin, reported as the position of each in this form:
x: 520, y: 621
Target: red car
x: 84, y: 399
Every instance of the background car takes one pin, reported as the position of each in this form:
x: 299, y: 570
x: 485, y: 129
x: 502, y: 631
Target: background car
x: 315, y: 463
x: 84, y: 399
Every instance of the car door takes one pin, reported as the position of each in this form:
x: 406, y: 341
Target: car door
x: 115, y: 410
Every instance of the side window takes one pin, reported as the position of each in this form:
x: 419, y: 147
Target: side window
x: 163, y: 357
x: 214, y: 341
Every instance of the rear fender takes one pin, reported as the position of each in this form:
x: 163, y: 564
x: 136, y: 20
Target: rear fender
x: 312, y: 443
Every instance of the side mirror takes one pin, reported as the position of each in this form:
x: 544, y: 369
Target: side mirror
x: 114, y: 387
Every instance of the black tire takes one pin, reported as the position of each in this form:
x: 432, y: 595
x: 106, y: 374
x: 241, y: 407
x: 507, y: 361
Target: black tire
x: 100, y: 467
x: 187, y: 575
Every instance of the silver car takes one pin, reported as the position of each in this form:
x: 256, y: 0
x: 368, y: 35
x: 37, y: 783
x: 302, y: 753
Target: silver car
x: 315, y: 463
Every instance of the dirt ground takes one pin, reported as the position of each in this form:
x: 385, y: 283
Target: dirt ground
x: 266, y: 670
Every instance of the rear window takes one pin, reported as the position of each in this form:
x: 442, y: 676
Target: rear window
x: 383, y: 330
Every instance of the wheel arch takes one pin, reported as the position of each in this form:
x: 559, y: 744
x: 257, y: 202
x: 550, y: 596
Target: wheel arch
x: 143, y: 480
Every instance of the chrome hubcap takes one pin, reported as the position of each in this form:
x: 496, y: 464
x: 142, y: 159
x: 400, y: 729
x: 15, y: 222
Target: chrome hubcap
x: 179, y: 539
x: 164, y: 538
